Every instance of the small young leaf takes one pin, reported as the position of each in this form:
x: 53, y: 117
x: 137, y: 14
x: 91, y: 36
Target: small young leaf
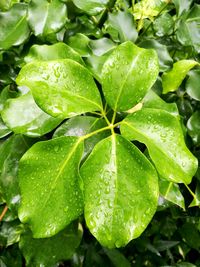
x: 52, y: 52
x: 161, y: 132
x: 121, y: 191
x: 49, y: 184
x: 14, y: 28
x: 62, y: 88
x: 172, y: 193
x: 172, y: 80
x: 49, y: 251
x: 22, y: 115
x: 42, y: 19
x: 128, y: 74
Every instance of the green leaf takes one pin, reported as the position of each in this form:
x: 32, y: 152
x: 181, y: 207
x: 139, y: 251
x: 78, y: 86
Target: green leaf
x: 193, y: 126
x: 42, y: 18
x: 164, y: 25
x: 121, y: 191
x: 172, y: 80
x: 190, y: 235
x: 4, y: 131
x: 128, y: 74
x: 152, y: 100
x: 11, y: 151
x: 22, y: 115
x: 101, y: 46
x: 161, y: 132
x: 10, y: 233
x: 49, y: 251
x: 172, y: 193
x: 149, y: 8
x: 80, y: 126
x: 164, y: 58
x: 92, y: 7
x: 52, y: 52
x: 120, y: 26
x: 49, y: 184
x: 14, y: 28
x: 182, y: 5
x: 192, y: 83
x: 117, y: 258
x: 188, y: 31
x: 80, y: 43
x: 196, y: 200
x: 62, y: 88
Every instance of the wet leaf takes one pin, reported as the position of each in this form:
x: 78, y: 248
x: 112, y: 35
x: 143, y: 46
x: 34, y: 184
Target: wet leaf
x: 22, y: 115
x: 14, y: 28
x: 192, y: 84
x: 62, y: 88
x: 42, y: 19
x: 52, y: 52
x: 172, y: 193
x: 49, y: 184
x: 115, y: 191
x: 122, y: 72
x: 92, y: 7
x: 120, y: 26
x: 4, y: 131
x: 193, y: 126
x: 161, y: 132
x: 11, y: 151
x: 172, y: 80
x: 49, y: 251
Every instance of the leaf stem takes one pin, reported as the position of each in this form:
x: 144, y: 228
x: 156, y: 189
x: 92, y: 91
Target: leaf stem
x: 109, y: 127
x: 3, y: 213
x: 192, y: 194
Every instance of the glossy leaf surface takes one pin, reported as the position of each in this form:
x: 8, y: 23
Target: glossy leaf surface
x: 11, y: 152
x: 42, y: 19
x: 164, y: 58
x: 62, y: 88
x: 22, y: 115
x: 193, y: 126
x: 52, y: 52
x: 172, y: 193
x: 192, y: 84
x: 92, y: 7
x: 120, y: 195
x: 121, y: 26
x: 172, y: 80
x: 49, y: 251
x: 14, y: 28
x: 122, y: 72
x: 49, y: 184
x: 162, y: 134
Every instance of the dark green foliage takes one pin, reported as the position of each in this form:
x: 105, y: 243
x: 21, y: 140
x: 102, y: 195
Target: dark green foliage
x: 99, y: 133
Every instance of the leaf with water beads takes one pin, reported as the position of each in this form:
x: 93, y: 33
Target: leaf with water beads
x: 128, y: 74
x: 62, y: 88
x: 161, y: 132
x: 49, y: 184
x: 120, y: 190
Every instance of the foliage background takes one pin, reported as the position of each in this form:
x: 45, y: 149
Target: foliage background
x: 172, y: 28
